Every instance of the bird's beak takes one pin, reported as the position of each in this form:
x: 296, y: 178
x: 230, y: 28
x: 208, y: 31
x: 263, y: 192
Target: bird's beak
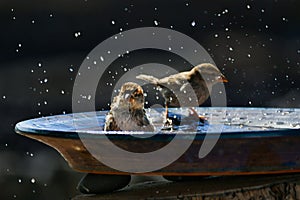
x: 139, y: 91
x: 222, y: 79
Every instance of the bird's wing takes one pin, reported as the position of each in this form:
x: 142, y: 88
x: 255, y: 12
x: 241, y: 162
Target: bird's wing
x: 148, y: 78
x: 176, y: 79
x: 184, y: 86
x: 148, y: 126
x: 145, y: 118
x: 110, y: 123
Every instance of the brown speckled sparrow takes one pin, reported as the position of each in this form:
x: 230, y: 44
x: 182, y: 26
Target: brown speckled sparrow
x: 200, y: 79
x: 127, y: 111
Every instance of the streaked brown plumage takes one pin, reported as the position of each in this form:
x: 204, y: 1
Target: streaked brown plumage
x: 127, y: 111
x: 177, y: 88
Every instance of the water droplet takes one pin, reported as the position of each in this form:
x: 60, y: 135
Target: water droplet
x: 32, y: 180
x: 230, y: 49
x: 113, y: 22
x: 40, y: 64
x: 249, y: 55
x: 216, y: 35
x: 62, y: 92
x: 19, y: 181
x: 45, y: 80
x: 3, y: 97
x: 248, y: 6
x: 71, y: 69
x: 77, y: 34
x: 101, y: 58
x: 155, y: 22
x: 193, y: 23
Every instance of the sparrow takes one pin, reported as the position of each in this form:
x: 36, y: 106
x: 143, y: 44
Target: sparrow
x: 127, y: 111
x: 200, y: 79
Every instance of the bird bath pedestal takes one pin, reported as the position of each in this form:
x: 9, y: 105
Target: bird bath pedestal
x: 262, y: 142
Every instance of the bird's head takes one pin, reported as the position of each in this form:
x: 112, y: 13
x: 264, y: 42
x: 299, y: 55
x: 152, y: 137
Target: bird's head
x: 210, y: 73
x: 132, y: 95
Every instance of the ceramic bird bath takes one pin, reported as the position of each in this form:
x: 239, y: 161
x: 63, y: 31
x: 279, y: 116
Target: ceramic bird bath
x: 253, y: 141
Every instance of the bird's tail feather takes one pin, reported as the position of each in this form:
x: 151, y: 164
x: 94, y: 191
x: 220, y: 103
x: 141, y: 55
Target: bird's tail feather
x: 148, y: 78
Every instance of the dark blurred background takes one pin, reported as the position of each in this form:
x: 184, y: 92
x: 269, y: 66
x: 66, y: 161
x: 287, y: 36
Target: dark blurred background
x: 256, y: 44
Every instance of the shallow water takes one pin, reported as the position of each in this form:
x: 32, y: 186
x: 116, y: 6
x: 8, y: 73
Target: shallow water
x: 226, y: 120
